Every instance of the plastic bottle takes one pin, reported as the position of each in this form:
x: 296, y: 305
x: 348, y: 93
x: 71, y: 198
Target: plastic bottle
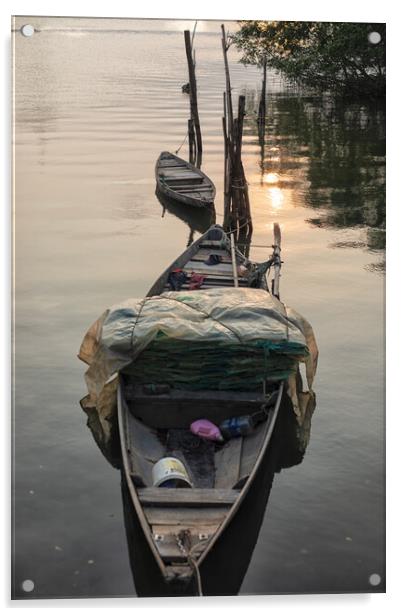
x: 206, y: 429
x: 237, y: 426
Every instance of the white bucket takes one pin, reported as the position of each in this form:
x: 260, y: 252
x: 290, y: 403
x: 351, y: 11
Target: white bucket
x: 172, y: 470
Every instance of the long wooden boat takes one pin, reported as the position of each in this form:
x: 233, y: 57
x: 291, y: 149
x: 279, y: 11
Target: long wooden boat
x: 183, y: 526
x: 182, y: 182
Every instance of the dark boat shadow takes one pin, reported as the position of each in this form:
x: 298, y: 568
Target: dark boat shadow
x: 197, y: 219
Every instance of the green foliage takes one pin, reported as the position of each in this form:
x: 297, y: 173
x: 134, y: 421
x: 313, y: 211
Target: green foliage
x: 327, y: 56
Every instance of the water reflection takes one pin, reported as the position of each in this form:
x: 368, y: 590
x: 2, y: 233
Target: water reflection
x: 276, y: 198
x: 224, y: 571
x: 333, y: 153
x: 197, y: 219
x: 271, y: 178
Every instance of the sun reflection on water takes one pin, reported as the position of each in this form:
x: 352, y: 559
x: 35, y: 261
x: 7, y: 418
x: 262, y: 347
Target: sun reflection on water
x: 276, y: 197
x: 271, y: 178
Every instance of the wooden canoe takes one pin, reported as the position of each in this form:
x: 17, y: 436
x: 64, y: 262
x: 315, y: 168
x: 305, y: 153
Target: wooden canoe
x: 182, y: 182
x: 182, y: 526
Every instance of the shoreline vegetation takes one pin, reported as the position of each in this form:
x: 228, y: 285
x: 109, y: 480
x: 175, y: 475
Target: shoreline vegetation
x: 346, y: 59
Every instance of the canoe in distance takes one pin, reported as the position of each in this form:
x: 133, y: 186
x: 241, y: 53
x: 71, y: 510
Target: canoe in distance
x: 183, y: 182
x: 182, y: 527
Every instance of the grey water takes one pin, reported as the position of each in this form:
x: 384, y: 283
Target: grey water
x: 95, y: 102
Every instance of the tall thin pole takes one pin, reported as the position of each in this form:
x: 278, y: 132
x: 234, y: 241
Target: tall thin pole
x: 234, y: 262
x: 193, y: 97
x: 228, y: 86
x: 262, y: 105
x: 277, y: 261
x: 237, y: 215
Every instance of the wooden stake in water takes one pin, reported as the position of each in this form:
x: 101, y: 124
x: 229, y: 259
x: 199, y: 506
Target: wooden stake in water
x: 234, y: 262
x: 193, y: 98
x: 237, y: 214
x: 277, y: 261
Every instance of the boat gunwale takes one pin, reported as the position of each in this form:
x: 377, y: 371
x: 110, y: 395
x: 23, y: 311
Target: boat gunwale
x: 123, y: 431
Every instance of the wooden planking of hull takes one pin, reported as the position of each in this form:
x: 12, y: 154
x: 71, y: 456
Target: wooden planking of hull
x: 182, y: 526
x: 183, y: 182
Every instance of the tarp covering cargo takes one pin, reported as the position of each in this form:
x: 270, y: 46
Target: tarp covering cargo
x: 218, y: 339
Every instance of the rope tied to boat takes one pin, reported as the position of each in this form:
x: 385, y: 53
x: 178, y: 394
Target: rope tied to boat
x: 244, y: 224
x: 183, y: 540
x: 183, y: 142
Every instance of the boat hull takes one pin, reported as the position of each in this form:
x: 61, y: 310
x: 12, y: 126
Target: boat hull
x: 183, y: 573
x: 183, y: 183
x: 223, y: 570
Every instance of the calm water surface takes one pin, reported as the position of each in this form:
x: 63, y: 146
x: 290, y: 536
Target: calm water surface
x: 95, y: 103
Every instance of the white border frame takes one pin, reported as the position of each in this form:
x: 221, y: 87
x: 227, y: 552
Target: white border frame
x: 341, y: 10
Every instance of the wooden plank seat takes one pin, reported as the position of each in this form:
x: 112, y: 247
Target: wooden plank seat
x: 180, y: 407
x: 211, y: 244
x: 184, y: 176
x: 218, y: 267
x: 203, y: 252
x: 171, y: 163
x: 203, y: 255
x: 211, y: 272
x: 193, y: 188
x: 189, y: 497
x: 180, y: 186
x: 181, y: 175
x: 201, y: 260
x: 217, y: 278
x: 211, y: 284
x: 185, y: 516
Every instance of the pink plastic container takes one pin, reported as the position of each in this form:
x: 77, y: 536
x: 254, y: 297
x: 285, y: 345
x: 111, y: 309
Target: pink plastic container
x: 206, y: 429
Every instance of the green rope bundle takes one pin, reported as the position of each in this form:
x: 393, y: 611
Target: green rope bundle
x: 202, y: 366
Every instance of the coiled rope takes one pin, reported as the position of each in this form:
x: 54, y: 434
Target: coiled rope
x: 183, y: 537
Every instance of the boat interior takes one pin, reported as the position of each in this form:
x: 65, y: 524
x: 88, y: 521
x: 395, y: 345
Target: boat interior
x: 208, y: 263
x: 157, y: 426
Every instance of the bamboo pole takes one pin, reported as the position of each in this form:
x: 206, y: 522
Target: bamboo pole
x: 234, y: 263
x: 261, y: 117
x: 240, y: 118
x: 192, y: 41
x: 228, y: 86
x: 237, y: 215
x: 262, y: 105
x: 227, y: 170
x: 191, y: 141
x: 193, y: 97
x: 277, y: 261
x: 225, y: 174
